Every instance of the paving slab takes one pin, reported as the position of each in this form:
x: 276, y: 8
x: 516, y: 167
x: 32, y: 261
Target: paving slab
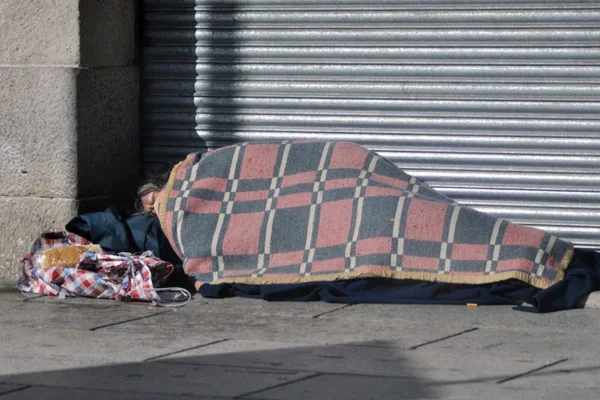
x: 35, y: 350
x: 520, y: 344
x: 242, y: 308
x: 449, y: 363
x: 549, y: 383
x: 349, y: 387
x: 71, y: 313
x: 248, y: 318
x: 492, y: 354
x: 158, y: 378
x: 496, y: 391
x: 362, y: 358
x: 51, y: 393
x: 317, y: 322
x: 431, y: 316
x: 572, y: 372
x: 8, y: 388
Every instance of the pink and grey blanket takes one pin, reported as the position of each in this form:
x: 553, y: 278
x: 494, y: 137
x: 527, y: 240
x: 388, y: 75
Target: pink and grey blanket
x: 300, y: 211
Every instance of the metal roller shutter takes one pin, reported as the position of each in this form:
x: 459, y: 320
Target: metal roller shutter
x: 494, y: 103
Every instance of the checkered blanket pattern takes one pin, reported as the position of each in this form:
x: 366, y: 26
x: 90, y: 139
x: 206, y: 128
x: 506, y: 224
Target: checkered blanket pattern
x: 312, y: 210
x: 120, y: 277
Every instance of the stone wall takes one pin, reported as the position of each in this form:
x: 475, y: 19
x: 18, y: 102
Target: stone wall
x: 68, y: 114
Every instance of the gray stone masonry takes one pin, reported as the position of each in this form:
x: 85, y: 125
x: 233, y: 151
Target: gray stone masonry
x: 68, y: 115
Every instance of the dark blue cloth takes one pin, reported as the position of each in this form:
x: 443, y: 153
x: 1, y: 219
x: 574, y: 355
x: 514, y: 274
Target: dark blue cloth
x: 105, y: 228
x: 116, y: 234
x: 582, y: 277
x: 138, y: 233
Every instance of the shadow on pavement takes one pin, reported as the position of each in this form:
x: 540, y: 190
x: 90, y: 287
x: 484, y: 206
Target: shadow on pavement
x: 349, y: 371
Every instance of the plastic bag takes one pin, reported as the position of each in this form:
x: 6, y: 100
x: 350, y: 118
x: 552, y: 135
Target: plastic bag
x: 66, y: 256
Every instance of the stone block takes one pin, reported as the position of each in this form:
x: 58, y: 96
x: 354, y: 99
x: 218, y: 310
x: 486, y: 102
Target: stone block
x: 108, y: 133
x: 68, y: 32
x: 38, y: 127
x: 39, y: 32
x: 108, y: 36
x: 22, y: 220
x: 69, y: 132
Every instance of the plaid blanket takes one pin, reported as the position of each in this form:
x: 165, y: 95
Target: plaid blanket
x: 301, y: 211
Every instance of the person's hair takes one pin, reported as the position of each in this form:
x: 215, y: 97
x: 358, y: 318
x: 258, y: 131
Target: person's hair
x: 142, y: 191
x: 147, y: 188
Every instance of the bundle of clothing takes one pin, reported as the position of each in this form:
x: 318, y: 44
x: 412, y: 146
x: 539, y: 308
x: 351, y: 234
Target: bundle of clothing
x: 103, y: 255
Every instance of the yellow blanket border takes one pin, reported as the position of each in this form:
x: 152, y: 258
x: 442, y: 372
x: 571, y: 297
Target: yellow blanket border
x: 414, y: 275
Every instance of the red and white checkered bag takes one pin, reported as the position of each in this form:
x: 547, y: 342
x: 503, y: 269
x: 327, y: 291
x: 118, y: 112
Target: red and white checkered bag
x: 121, y: 277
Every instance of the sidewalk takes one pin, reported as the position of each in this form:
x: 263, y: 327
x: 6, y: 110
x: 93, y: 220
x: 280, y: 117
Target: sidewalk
x: 252, y: 349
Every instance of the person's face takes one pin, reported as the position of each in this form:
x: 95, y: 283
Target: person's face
x: 148, y: 202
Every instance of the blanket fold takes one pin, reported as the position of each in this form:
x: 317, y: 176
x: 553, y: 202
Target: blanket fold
x: 301, y: 211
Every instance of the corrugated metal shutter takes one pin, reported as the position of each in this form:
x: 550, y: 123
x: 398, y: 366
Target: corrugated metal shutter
x: 494, y: 103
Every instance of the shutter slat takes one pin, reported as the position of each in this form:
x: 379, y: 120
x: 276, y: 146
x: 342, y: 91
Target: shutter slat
x: 495, y: 104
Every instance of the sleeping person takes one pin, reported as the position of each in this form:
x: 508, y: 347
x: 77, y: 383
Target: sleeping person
x: 333, y: 221
x: 295, y: 219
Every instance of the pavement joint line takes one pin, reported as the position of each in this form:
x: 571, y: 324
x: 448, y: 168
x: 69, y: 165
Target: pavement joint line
x: 331, y: 311
x: 491, y: 346
x: 187, y: 349
x: 129, y: 320
x: 15, y: 390
x: 531, y: 371
x: 304, y: 378
x: 443, y: 338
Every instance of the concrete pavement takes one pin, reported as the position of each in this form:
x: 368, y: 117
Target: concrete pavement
x: 252, y: 349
